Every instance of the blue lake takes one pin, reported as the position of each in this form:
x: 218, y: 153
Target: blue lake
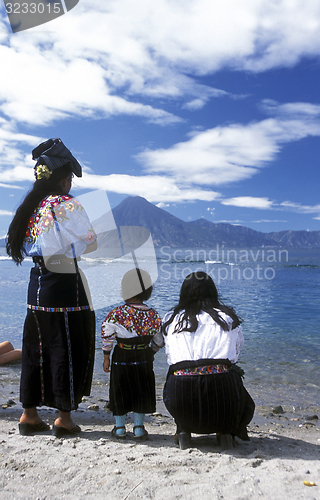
x: 276, y: 293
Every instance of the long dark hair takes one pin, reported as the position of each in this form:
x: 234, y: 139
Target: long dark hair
x: 199, y: 293
x: 19, y: 224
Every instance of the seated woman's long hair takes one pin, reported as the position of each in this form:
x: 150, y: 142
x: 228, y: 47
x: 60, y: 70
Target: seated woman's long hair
x: 199, y: 293
x: 19, y: 224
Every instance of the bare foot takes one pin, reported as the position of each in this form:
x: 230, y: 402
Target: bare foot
x: 30, y: 416
x: 64, y: 420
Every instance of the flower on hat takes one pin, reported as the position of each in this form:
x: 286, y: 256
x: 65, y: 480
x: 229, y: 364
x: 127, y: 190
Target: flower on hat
x: 42, y: 172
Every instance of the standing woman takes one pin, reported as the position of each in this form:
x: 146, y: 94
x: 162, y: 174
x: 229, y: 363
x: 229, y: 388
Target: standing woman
x: 59, y: 331
x: 203, y: 339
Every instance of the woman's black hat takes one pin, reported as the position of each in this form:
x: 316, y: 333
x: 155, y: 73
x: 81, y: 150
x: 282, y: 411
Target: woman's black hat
x: 54, y: 154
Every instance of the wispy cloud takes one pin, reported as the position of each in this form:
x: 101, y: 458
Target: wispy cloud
x: 266, y: 204
x: 14, y: 162
x: 297, y: 207
x: 152, y: 187
x: 293, y: 110
x: 188, y: 170
x: 245, y: 222
x: 10, y: 186
x: 232, y: 153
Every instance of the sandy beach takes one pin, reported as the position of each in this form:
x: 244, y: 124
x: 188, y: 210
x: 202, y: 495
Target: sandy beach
x: 283, y: 454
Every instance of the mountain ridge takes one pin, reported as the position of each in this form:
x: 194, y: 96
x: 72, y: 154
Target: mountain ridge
x: 168, y: 230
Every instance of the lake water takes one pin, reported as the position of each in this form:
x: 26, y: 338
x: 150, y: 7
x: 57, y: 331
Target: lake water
x: 276, y: 292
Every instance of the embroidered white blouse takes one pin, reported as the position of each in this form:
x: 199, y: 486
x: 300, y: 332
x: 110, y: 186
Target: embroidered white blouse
x: 208, y: 341
x: 128, y: 321
x: 59, y: 225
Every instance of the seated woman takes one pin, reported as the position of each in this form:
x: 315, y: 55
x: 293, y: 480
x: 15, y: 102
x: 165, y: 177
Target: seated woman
x: 8, y: 353
x: 203, y: 339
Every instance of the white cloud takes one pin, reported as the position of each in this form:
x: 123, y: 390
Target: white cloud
x: 154, y: 188
x: 17, y: 174
x: 36, y: 97
x: 212, y: 157
x: 238, y: 222
x: 249, y: 202
x: 267, y: 220
x: 105, y: 55
x: 266, y: 204
x: 10, y: 186
x: 6, y: 212
x: 297, y: 207
x: 162, y: 205
x: 11, y: 154
x: 232, y: 153
x: 293, y: 110
x: 195, y: 104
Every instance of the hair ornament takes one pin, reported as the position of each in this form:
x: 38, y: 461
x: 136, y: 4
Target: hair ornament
x: 42, y: 172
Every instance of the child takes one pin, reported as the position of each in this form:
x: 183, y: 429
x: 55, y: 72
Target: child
x: 132, y: 382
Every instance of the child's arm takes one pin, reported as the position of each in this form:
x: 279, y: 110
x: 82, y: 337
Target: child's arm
x: 157, y: 342
x: 106, y: 363
x: 108, y: 335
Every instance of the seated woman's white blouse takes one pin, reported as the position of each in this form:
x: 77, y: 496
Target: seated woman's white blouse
x: 208, y: 341
x: 59, y: 225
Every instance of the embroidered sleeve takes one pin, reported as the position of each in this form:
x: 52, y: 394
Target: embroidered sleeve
x: 108, y: 335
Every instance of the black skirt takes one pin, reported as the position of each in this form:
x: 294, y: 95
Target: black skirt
x: 132, y: 381
x: 58, y: 341
x: 211, y: 403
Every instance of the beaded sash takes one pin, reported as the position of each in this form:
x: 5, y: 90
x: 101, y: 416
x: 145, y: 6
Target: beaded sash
x: 202, y: 370
x: 133, y: 347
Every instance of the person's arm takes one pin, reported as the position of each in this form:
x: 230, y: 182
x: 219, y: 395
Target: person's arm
x: 92, y: 247
x: 108, y: 335
x: 157, y: 341
x: 239, y: 340
x: 106, y: 362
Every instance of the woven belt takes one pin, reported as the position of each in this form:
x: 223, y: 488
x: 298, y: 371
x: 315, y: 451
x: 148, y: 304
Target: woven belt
x: 54, y: 260
x: 58, y: 309
x: 202, y: 370
x: 133, y: 347
x: 131, y: 364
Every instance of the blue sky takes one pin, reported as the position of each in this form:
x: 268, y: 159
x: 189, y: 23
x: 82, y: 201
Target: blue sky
x: 206, y: 108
